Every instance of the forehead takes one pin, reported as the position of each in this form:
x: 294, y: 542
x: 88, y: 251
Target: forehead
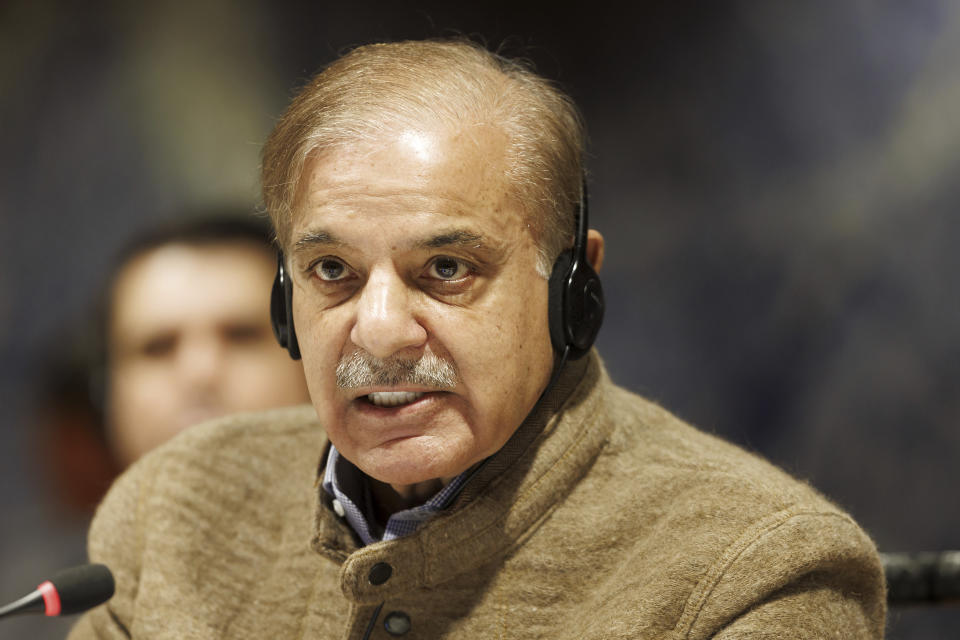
x: 412, y: 174
x: 178, y: 283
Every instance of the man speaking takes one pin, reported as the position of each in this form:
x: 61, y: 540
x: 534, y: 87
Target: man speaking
x: 467, y: 469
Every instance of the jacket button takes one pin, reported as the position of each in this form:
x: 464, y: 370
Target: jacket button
x: 396, y: 623
x: 380, y: 573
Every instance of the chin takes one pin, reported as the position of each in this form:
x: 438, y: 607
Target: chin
x: 412, y: 461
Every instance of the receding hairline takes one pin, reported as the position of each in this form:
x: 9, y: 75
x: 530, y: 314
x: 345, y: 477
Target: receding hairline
x: 456, y: 133
x: 381, y: 87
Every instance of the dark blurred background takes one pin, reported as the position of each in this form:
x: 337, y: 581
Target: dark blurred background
x: 777, y: 183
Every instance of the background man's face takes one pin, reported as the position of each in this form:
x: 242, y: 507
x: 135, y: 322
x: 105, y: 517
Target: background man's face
x: 406, y: 251
x: 190, y: 340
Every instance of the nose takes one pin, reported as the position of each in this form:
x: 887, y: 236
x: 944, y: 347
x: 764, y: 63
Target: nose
x: 200, y: 362
x: 385, y: 324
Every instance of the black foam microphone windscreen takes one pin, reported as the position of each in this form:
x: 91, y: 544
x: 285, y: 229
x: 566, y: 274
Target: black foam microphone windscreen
x: 84, y: 587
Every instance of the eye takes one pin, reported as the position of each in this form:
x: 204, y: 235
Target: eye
x: 330, y: 269
x: 446, y: 268
x: 159, y: 346
x: 240, y: 333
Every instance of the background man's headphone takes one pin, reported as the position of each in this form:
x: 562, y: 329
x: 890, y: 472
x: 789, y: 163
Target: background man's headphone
x: 575, y: 303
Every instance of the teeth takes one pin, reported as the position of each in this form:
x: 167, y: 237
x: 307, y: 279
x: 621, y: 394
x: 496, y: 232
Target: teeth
x: 393, y: 398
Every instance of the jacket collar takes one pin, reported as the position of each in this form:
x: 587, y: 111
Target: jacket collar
x: 502, y: 501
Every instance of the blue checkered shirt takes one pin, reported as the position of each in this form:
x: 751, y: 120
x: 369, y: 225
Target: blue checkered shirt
x: 347, y: 485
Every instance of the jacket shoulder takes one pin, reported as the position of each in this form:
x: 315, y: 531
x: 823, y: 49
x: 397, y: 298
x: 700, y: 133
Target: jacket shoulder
x: 722, y: 532
x: 257, y: 451
x: 174, y: 510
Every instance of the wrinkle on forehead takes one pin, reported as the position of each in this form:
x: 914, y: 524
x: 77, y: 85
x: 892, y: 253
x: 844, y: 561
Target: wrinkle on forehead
x: 467, y: 238
x: 449, y: 172
x: 427, y: 144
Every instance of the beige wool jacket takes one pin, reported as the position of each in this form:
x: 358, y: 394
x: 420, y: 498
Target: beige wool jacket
x: 603, y: 517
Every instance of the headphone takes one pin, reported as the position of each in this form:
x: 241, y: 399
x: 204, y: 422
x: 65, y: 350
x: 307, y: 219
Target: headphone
x: 575, y: 301
x: 281, y: 310
x: 575, y: 298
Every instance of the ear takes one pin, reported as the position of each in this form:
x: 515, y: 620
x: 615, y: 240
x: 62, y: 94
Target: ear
x: 595, y: 249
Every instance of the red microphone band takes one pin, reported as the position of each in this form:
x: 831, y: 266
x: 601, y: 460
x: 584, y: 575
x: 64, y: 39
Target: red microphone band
x: 51, y: 599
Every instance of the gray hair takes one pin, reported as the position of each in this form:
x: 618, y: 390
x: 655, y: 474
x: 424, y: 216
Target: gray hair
x: 375, y: 89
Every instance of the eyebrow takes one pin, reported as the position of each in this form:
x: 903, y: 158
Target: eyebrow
x: 316, y: 238
x: 457, y: 238
x: 453, y: 238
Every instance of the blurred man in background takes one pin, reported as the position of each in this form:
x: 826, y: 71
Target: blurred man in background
x: 182, y: 334
x: 188, y: 334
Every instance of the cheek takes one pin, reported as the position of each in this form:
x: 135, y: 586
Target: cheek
x: 507, y: 353
x: 139, y: 404
x: 315, y: 333
x: 261, y: 378
x: 322, y: 338
x: 138, y: 388
x: 525, y: 317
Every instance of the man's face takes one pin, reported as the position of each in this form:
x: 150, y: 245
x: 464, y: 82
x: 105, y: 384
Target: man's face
x: 411, y: 251
x: 190, y: 339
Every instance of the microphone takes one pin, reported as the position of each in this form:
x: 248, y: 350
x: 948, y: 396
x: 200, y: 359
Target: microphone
x: 922, y: 577
x: 69, y: 591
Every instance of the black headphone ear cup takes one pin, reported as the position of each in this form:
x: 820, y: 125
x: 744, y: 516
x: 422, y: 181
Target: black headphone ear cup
x: 584, y: 309
x: 575, y: 305
x: 278, y: 311
x: 293, y: 345
x: 281, y: 311
x: 556, y: 290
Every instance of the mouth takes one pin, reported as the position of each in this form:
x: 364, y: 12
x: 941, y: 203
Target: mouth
x: 393, y: 398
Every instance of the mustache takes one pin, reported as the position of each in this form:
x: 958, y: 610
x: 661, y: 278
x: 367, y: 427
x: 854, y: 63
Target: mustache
x: 360, y: 369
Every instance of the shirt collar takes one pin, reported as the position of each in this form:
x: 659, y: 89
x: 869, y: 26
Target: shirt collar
x: 350, y: 487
